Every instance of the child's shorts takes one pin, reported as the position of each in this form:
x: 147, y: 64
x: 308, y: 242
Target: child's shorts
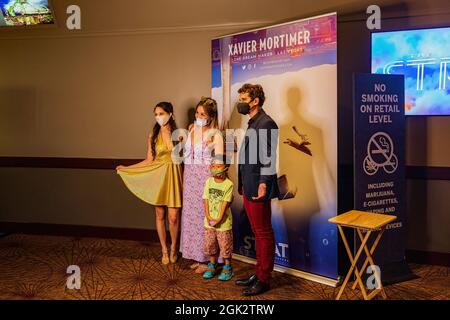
x: 215, y: 240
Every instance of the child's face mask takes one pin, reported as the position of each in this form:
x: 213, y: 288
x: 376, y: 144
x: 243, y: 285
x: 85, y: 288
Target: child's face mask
x: 201, y: 122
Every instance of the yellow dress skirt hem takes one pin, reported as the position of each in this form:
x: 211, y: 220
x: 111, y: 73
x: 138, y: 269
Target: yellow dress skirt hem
x: 160, y: 183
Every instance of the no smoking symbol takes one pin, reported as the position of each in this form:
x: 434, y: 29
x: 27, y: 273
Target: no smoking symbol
x: 380, y: 154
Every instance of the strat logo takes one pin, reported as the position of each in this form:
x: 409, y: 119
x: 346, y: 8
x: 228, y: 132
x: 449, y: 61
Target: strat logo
x: 280, y: 248
x: 419, y: 65
x: 74, y: 280
x: 269, y: 43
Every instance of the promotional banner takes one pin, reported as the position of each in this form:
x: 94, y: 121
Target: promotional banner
x: 295, y: 63
x: 25, y: 12
x: 379, y: 157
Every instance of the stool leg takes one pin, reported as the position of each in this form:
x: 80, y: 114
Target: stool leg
x: 357, y: 273
x: 375, y: 271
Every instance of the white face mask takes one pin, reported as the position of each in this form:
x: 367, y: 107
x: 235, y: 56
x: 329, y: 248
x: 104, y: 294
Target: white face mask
x: 162, y: 120
x: 201, y: 122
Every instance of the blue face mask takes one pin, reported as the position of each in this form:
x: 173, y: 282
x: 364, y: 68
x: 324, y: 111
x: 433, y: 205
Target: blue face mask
x: 201, y: 122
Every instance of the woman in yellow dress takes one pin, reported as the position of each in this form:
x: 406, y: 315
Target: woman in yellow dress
x: 158, y: 180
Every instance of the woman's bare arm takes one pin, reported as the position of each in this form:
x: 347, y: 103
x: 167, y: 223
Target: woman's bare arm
x: 224, y: 206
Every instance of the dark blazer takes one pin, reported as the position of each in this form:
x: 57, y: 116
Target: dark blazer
x: 256, y: 156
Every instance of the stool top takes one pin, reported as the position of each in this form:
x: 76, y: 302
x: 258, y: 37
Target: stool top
x: 362, y: 219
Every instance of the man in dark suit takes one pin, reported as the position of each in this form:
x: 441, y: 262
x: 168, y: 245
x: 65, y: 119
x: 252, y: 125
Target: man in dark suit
x: 258, y: 183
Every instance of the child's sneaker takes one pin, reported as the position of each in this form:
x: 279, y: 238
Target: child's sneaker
x: 211, y: 271
x: 227, y: 273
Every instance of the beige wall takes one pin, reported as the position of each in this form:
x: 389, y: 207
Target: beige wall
x: 426, y: 137
x: 90, y: 97
x: 428, y: 215
x: 427, y: 140
x: 94, y: 96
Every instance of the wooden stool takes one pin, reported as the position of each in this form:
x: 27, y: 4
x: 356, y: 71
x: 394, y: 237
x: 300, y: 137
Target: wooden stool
x: 372, y: 222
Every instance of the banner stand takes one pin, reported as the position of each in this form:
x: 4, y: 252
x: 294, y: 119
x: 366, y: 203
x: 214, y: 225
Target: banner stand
x: 379, y: 165
x: 297, y: 273
x: 294, y: 62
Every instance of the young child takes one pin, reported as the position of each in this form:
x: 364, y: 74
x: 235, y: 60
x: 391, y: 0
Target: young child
x: 218, y: 195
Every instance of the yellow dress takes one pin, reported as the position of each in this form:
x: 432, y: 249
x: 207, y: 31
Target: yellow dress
x: 160, y: 183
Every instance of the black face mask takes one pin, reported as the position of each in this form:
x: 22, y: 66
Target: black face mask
x: 243, y: 108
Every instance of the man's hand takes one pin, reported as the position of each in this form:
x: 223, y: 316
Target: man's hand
x: 261, y: 192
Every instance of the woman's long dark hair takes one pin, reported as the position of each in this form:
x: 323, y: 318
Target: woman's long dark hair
x: 210, y: 107
x: 167, y: 107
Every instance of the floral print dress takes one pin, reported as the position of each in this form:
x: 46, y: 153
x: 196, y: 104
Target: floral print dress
x: 197, y: 159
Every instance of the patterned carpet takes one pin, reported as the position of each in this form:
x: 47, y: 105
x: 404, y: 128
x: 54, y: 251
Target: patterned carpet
x: 34, y: 267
